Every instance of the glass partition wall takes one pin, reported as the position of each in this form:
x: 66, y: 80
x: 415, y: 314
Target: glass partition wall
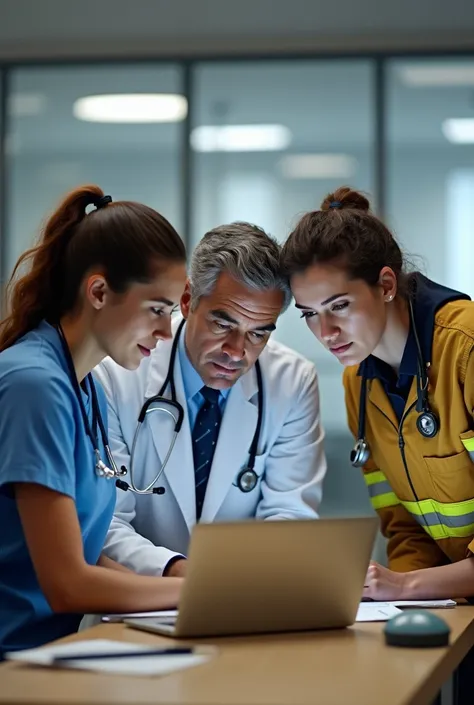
x: 209, y: 142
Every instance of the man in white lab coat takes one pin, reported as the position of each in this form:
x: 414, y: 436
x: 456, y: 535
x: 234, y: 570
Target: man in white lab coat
x: 230, y: 306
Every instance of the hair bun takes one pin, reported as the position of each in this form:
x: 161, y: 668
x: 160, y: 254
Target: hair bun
x: 346, y: 198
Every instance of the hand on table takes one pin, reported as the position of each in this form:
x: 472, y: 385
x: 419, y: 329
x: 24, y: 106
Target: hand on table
x: 384, y: 584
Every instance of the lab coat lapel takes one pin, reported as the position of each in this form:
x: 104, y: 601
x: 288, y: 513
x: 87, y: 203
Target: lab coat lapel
x: 179, y: 470
x: 235, y: 437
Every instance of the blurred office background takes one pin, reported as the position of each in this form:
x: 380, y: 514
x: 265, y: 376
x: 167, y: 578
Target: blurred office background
x: 252, y: 111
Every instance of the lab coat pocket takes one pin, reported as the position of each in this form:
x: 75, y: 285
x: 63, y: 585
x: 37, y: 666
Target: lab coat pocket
x: 452, y: 478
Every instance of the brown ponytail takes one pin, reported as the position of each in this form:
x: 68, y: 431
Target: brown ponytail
x: 125, y: 239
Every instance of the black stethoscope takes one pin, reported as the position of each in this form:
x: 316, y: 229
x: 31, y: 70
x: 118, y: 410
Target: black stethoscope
x: 427, y: 422
x: 102, y: 470
x: 246, y: 479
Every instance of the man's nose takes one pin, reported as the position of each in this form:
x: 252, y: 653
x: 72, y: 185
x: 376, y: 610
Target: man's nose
x: 234, y: 346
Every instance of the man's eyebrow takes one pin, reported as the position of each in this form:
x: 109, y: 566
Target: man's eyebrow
x: 224, y: 315
x: 324, y: 303
x: 268, y: 327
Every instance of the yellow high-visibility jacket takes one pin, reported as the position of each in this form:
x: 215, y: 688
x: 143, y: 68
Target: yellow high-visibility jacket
x: 433, y: 523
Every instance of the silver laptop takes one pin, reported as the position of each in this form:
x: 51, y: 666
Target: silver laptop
x: 270, y: 576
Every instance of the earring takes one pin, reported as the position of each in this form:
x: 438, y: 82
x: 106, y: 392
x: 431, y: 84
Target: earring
x: 389, y: 298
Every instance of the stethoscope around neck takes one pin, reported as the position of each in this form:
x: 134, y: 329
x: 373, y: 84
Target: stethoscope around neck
x: 427, y: 422
x: 247, y: 477
x: 111, y: 470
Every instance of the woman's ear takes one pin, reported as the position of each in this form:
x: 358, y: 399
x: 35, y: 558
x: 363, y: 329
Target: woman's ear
x: 97, y: 291
x: 388, y: 283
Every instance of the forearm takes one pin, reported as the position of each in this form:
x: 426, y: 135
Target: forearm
x: 106, y: 562
x: 97, y: 589
x: 454, y: 580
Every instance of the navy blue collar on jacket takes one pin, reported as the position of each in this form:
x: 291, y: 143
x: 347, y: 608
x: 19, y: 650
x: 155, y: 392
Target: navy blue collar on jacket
x: 428, y: 297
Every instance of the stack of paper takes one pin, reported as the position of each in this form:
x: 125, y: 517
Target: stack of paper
x: 425, y: 604
x: 376, y: 612
x: 144, y: 665
x: 382, y: 611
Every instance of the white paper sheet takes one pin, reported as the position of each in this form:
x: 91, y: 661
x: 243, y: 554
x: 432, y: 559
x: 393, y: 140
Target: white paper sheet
x: 376, y: 612
x: 146, y: 666
x: 162, y: 614
x: 426, y: 604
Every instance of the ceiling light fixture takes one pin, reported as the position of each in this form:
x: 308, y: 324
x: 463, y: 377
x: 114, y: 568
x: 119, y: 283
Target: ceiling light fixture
x: 437, y: 75
x: 26, y: 104
x: 459, y: 130
x: 240, y: 138
x: 131, y: 108
x: 318, y: 166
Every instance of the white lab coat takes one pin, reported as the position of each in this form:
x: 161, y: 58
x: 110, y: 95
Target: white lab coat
x: 148, y: 530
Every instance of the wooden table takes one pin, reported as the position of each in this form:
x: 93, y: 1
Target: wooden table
x: 340, y: 667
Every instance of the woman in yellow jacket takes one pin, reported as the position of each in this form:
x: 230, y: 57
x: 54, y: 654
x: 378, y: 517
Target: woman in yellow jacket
x: 407, y: 345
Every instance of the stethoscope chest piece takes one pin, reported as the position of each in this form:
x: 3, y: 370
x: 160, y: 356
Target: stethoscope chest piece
x: 360, y: 453
x: 427, y: 424
x: 101, y: 469
x: 247, y: 479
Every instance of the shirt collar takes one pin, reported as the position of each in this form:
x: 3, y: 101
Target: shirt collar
x: 192, y: 381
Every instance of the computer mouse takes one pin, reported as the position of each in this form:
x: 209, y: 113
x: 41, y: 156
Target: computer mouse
x: 416, y: 628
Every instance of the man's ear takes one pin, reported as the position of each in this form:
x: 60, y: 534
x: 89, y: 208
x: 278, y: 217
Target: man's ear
x: 185, y: 302
x: 96, y: 291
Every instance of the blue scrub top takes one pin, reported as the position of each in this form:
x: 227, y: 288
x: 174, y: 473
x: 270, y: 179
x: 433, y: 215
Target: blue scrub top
x: 43, y: 441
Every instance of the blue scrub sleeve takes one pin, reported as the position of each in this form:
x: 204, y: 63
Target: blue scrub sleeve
x: 37, y: 430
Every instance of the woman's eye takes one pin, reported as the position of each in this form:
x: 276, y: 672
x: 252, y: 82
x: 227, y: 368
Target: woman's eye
x: 157, y: 311
x: 341, y: 306
x: 308, y: 314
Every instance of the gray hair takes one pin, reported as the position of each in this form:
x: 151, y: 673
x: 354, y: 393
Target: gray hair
x: 244, y: 251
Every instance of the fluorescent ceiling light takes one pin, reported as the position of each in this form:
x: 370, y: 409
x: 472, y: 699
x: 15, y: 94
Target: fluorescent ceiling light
x: 442, y: 75
x: 318, y: 166
x: 26, y: 104
x: 240, y: 138
x: 133, y: 107
x: 459, y: 130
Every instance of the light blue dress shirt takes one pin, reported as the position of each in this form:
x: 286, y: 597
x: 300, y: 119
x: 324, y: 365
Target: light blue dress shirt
x: 193, y: 383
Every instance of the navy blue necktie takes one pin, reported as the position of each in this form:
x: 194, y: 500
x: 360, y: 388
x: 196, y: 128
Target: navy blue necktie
x: 205, y: 433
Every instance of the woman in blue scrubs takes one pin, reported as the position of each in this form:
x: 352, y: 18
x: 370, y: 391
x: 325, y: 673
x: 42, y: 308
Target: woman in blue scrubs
x: 100, y: 282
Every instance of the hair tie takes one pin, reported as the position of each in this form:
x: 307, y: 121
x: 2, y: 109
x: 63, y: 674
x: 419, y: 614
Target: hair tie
x: 335, y: 204
x: 102, y: 202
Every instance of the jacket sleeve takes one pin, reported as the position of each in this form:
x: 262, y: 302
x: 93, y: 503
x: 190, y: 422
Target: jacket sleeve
x: 296, y: 464
x: 123, y: 544
x: 408, y: 545
x: 468, y: 437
